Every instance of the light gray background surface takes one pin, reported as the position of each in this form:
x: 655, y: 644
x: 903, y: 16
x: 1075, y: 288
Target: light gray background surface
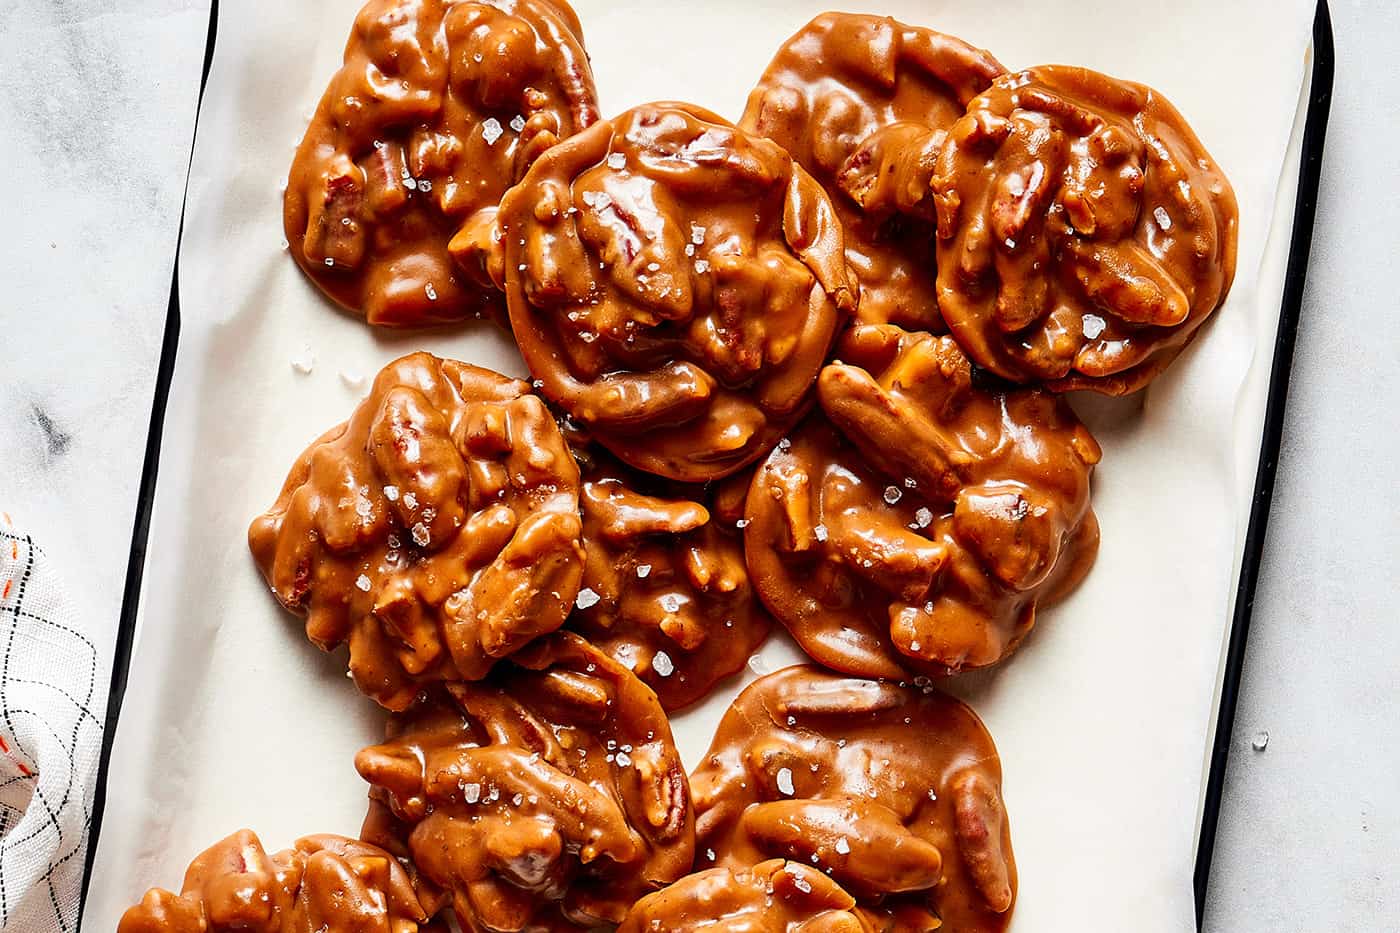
x: 98, y: 100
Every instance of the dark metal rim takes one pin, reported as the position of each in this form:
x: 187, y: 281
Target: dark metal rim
x: 1300, y: 246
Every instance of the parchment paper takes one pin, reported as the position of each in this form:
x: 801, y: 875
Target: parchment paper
x: 1102, y: 719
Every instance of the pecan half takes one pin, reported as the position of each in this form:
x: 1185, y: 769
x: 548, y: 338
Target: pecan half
x: 674, y: 284
x: 436, y: 531
x: 438, y: 108
x: 547, y: 796
x: 325, y: 883
x: 892, y: 791
x: 864, y: 103
x: 775, y: 896
x: 921, y: 526
x: 1084, y: 233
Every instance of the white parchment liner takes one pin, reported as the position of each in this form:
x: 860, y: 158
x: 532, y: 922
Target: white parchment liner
x: 1103, y: 718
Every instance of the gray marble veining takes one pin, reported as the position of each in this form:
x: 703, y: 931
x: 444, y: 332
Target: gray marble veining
x: 97, y: 102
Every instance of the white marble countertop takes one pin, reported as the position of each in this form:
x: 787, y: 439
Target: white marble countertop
x: 102, y: 100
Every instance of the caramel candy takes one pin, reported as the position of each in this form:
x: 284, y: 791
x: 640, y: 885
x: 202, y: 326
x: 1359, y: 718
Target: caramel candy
x: 439, y: 107
x: 919, y: 529
x: 665, y: 590
x: 1084, y: 233
x: 326, y: 883
x: 864, y: 103
x: 893, y: 791
x: 776, y: 896
x: 674, y: 284
x: 548, y: 797
x: 436, y: 531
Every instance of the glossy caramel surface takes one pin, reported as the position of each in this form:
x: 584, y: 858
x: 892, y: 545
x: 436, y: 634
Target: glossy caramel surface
x: 674, y: 284
x: 893, y: 791
x: 1084, y: 233
x: 435, y: 532
x: 917, y: 526
x: 440, y: 106
x: 863, y: 103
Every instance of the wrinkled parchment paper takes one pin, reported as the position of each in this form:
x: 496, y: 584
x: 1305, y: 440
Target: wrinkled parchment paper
x: 1103, y: 718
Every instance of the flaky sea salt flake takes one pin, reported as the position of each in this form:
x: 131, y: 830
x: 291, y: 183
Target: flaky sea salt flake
x: 304, y: 362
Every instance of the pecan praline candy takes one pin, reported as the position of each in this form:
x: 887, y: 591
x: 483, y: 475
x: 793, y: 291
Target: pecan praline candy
x: 674, y: 284
x: 864, y: 104
x: 324, y: 883
x: 435, y: 532
x: 893, y: 791
x: 438, y: 108
x: 1084, y: 233
x: 549, y: 796
x: 922, y: 522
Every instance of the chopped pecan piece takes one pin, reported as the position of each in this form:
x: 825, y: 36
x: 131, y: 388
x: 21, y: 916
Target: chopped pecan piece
x: 892, y: 791
x: 436, y: 531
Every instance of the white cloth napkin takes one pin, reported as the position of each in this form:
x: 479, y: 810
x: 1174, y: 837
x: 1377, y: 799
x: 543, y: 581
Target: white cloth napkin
x: 53, y: 694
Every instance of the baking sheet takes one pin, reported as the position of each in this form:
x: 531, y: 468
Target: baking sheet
x: 1103, y: 719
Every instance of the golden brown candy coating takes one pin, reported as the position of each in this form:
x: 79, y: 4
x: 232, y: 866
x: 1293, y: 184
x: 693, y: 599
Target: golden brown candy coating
x: 922, y: 526
x: 864, y: 103
x: 776, y: 896
x: 440, y: 106
x: 323, y: 883
x: 436, y: 531
x: 665, y: 589
x: 549, y: 796
x: 674, y: 284
x: 1084, y: 233
x: 893, y: 791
